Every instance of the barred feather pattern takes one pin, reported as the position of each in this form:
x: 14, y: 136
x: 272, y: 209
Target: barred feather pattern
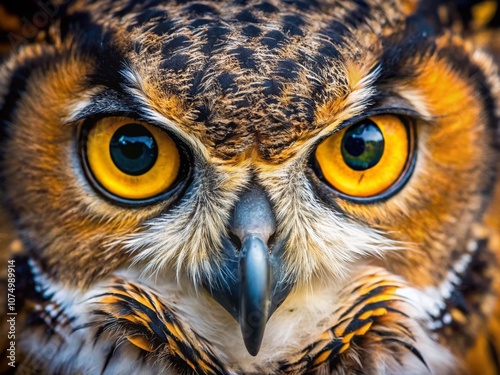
x: 373, y: 314
x: 377, y: 328
x: 134, y: 312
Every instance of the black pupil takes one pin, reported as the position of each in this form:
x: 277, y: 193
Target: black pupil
x: 354, y: 146
x: 133, y: 149
x: 363, y: 145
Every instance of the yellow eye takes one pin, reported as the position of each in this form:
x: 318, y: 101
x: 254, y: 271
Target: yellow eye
x: 131, y: 159
x: 367, y: 158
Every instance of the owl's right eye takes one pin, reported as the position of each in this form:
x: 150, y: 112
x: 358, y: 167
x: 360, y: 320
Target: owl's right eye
x: 130, y: 159
x: 369, y: 158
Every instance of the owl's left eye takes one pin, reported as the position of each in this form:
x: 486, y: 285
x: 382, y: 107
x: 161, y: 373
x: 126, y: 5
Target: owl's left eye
x: 367, y: 158
x: 130, y: 159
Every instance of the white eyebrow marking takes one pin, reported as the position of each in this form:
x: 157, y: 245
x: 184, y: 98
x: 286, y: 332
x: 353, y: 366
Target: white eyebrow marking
x: 417, y: 101
x: 76, y: 109
x: 78, y: 106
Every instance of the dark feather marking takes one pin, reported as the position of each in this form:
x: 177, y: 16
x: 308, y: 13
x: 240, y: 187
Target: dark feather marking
x: 494, y: 355
x: 411, y: 348
x: 406, y: 330
x: 334, y: 345
x: 292, y: 25
x: 356, y: 324
x: 108, y: 358
x: 149, y: 15
x: 266, y: 7
x: 148, y: 297
x: 98, y: 334
x: 246, y: 16
x: 372, y: 293
x: 200, y: 9
x: 16, y: 88
x: 273, y: 39
x: 156, y: 325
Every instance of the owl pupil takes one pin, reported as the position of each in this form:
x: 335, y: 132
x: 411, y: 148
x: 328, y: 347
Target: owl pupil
x: 362, y: 145
x: 133, y: 149
x: 355, y: 146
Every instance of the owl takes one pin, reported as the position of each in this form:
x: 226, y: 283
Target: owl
x: 285, y: 187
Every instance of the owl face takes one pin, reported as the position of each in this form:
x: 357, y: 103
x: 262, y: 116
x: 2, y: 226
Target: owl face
x: 252, y: 150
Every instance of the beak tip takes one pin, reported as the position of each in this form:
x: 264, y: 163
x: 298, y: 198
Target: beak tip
x: 253, y: 350
x: 252, y: 337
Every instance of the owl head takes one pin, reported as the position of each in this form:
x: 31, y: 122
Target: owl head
x: 249, y: 150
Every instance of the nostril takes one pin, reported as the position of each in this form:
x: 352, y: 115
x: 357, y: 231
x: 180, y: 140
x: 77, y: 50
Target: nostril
x: 235, y: 240
x: 271, y: 240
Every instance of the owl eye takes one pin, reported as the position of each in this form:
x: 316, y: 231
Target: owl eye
x: 367, y: 158
x: 130, y: 159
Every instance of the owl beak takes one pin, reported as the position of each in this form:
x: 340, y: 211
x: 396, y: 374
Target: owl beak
x: 255, y: 291
x: 250, y: 284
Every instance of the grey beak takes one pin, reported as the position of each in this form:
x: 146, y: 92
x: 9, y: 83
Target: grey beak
x: 250, y: 284
x: 255, y: 291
